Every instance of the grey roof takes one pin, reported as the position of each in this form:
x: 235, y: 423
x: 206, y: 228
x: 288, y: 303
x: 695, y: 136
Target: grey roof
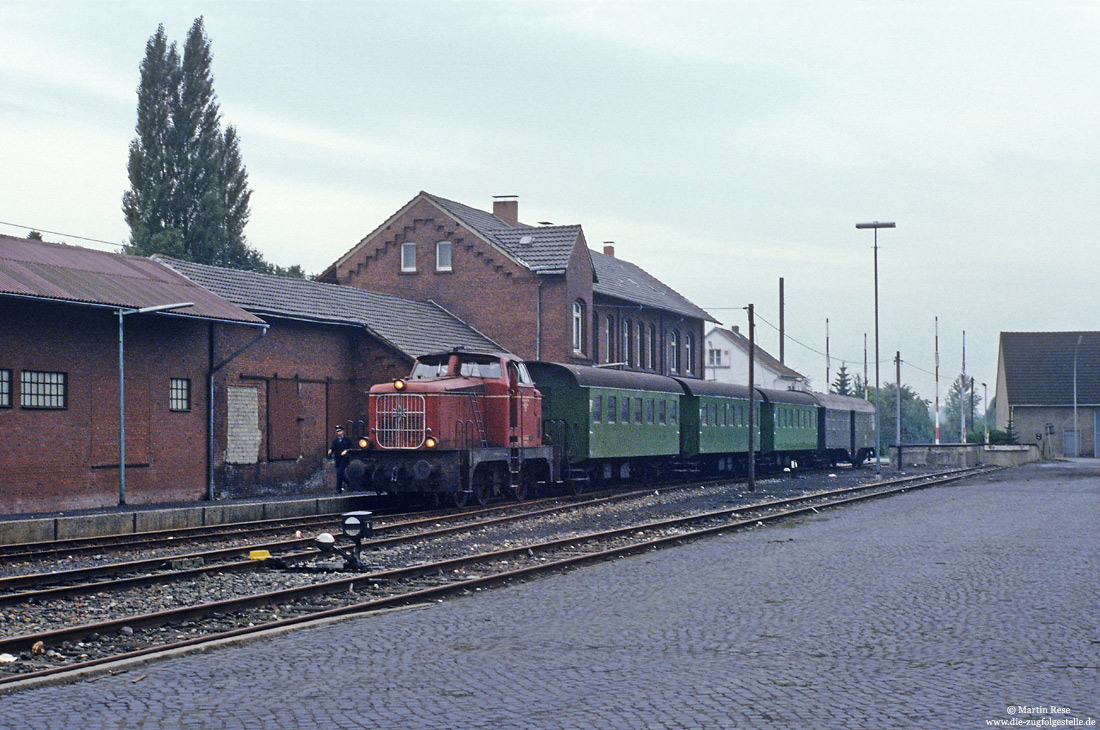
x: 623, y: 280
x: 763, y: 357
x: 543, y: 249
x: 414, y: 328
x: 1038, y: 367
x: 60, y: 272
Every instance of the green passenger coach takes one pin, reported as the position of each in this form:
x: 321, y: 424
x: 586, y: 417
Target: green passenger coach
x: 788, y: 422
x: 609, y: 421
x: 715, y: 425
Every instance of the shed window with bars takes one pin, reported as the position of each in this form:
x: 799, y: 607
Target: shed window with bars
x: 179, y: 394
x: 39, y: 389
x: 5, y: 388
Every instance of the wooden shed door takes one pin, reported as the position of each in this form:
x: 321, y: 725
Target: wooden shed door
x: 283, y: 439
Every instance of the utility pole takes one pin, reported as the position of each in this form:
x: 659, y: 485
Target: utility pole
x: 937, y: 381
x: 962, y: 395
x: 752, y: 403
x: 782, y: 328
x: 897, y: 405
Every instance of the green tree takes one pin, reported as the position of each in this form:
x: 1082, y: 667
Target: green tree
x: 959, y: 398
x: 34, y: 236
x: 189, y: 195
x: 916, y: 423
x: 843, y: 383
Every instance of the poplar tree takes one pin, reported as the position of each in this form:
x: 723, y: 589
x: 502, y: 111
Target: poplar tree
x: 189, y: 194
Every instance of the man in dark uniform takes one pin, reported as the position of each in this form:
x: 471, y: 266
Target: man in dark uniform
x: 338, y: 450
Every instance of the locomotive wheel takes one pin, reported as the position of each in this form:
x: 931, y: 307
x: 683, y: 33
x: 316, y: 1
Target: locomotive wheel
x: 483, y: 486
x: 520, y: 492
x: 459, y: 498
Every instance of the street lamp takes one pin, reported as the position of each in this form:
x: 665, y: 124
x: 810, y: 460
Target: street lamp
x: 1076, y: 433
x: 122, y: 390
x: 878, y: 429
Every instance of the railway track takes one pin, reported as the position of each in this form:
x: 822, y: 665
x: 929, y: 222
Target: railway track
x: 423, y: 580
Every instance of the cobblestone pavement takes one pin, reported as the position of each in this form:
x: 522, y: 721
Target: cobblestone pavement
x: 944, y: 608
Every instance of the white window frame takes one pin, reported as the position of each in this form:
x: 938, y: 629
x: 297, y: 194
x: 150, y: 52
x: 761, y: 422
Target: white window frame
x: 578, y: 326
x: 406, y: 265
x: 689, y: 354
x: 440, y: 247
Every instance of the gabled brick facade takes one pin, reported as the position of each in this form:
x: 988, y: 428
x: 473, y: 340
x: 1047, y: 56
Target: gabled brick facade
x: 534, y: 289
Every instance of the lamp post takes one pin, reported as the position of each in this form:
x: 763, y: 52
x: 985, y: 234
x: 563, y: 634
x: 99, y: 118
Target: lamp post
x: 122, y: 390
x: 878, y: 428
x: 1076, y: 433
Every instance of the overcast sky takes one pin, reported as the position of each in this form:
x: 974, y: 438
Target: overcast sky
x: 721, y: 146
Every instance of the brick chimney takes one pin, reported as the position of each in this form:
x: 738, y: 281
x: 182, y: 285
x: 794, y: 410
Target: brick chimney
x: 609, y: 248
x: 506, y: 207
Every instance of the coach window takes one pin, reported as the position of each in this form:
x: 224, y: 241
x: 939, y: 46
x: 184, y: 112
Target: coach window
x: 44, y: 390
x: 179, y: 394
x: 611, y: 408
x: 5, y: 388
x: 442, y: 256
x: 637, y: 410
x: 649, y: 410
x: 625, y: 415
x: 408, y: 257
x: 662, y: 411
x: 672, y: 412
x: 597, y: 408
x: 703, y: 414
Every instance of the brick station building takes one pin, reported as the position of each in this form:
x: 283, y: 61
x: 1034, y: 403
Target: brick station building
x: 537, y: 290
x: 284, y: 359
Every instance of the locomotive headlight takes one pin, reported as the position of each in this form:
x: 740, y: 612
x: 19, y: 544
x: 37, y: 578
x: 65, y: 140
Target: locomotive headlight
x: 430, y: 442
x: 399, y: 385
x: 364, y: 443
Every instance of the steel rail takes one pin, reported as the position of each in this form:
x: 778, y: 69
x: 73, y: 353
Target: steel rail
x: 287, y: 595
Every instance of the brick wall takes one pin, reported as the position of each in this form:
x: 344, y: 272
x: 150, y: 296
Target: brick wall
x: 68, y: 458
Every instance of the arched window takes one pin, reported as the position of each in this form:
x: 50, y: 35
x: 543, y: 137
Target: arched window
x: 674, y: 351
x: 689, y: 354
x: 641, y: 346
x: 578, y: 326
x: 628, y: 344
x: 609, y: 354
x: 653, y: 344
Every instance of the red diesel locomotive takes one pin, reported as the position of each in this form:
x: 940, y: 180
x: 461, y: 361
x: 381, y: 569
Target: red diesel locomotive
x: 461, y: 425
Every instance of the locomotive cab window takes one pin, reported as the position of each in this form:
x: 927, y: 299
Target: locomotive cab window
x: 481, y: 368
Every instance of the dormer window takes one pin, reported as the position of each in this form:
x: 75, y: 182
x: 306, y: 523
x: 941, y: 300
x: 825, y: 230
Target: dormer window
x: 408, y: 257
x: 443, y: 256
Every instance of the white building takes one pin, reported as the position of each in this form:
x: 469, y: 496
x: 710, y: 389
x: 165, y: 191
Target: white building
x: 728, y: 362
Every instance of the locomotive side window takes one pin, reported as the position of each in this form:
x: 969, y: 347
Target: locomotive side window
x: 523, y: 375
x: 408, y: 257
x: 597, y: 408
x: 612, y: 408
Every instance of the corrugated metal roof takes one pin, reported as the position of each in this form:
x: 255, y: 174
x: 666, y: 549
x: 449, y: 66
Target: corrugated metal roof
x: 414, y: 328
x: 624, y: 280
x: 60, y: 272
x: 1038, y: 367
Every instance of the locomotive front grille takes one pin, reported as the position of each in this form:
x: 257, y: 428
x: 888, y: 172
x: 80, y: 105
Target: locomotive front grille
x: 400, y: 421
